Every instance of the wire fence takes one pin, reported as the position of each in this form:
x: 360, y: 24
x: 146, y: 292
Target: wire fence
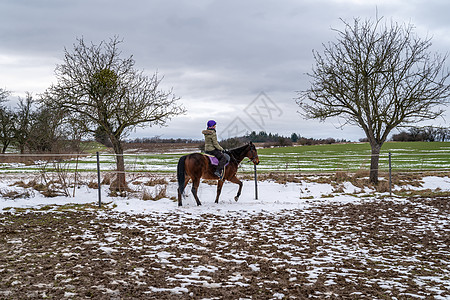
x: 60, y: 172
x: 438, y: 161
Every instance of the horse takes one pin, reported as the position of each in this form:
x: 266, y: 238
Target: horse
x: 197, y: 165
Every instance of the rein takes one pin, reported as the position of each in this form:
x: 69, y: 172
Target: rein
x: 240, y: 153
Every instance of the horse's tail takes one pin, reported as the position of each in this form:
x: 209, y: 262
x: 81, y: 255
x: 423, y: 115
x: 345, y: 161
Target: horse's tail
x: 181, y: 174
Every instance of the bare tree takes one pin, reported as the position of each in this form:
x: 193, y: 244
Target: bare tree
x: 46, y: 132
x: 6, y: 122
x: 3, y: 95
x: 7, y: 128
x: 378, y: 76
x: 101, y: 89
x: 23, y: 121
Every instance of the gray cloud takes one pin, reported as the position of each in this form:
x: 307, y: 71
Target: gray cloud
x: 217, y: 55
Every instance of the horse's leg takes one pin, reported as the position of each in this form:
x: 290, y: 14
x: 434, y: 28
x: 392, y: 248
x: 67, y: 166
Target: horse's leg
x: 234, y: 179
x: 219, y: 190
x: 195, y: 184
x: 180, y: 203
x: 186, y: 181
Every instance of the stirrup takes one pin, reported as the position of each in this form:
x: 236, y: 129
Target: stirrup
x: 220, y: 175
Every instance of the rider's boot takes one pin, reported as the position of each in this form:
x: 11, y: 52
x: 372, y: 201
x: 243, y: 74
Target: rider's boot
x: 219, y: 173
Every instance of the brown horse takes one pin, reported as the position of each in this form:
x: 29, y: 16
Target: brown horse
x: 196, y: 166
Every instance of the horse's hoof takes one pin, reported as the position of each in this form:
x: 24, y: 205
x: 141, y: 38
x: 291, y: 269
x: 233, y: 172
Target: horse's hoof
x: 236, y: 198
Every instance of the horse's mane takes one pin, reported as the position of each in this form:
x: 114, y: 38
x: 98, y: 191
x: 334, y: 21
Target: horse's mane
x: 236, y: 153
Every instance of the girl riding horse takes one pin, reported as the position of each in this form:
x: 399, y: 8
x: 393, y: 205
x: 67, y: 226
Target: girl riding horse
x: 196, y: 166
x: 213, y: 147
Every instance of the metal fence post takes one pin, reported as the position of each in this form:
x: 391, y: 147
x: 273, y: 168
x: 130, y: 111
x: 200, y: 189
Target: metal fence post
x: 256, y: 184
x: 98, y: 182
x: 390, y: 175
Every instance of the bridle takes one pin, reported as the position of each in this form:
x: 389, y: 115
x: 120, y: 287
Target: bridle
x: 254, y: 159
x: 252, y: 155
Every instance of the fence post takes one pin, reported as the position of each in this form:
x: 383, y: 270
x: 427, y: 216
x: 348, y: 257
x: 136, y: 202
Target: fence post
x: 256, y: 184
x: 390, y: 176
x: 98, y: 181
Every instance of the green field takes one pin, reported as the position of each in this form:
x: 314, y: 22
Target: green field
x: 405, y: 156
x: 415, y: 156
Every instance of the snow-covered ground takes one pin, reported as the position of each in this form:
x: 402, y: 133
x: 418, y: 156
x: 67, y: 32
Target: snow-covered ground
x: 271, y: 196
x: 298, y: 240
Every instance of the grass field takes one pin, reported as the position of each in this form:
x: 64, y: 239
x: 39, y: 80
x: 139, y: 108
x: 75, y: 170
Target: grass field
x: 405, y: 156
x: 356, y: 156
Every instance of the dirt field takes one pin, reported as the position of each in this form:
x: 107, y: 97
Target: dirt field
x: 374, y: 250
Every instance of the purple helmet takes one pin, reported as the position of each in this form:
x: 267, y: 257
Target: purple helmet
x: 211, y: 123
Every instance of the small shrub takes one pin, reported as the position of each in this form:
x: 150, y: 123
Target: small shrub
x: 25, y: 185
x: 47, y: 189
x: 92, y: 185
x: 108, y: 178
x: 146, y: 195
x: 361, y: 174
x: 50, y: 193
x: 39, y: 187
x: 339, y: 188
x: 12, y: 194
x: 161, y: 192
x: 156, y: 181
x: 382, y: 186
x: 342, y: 176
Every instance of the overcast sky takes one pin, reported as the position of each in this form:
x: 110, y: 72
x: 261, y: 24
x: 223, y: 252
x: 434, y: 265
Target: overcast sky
x: 238, y: 62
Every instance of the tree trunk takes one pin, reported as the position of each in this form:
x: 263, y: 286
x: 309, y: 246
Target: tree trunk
x: 5, y: 146
x: 373, y: 176
x: 119, y: 184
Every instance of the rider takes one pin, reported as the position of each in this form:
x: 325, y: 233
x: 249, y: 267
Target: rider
x: 212, y: 146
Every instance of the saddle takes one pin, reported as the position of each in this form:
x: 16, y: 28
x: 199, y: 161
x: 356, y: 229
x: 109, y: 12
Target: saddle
x: 214, y: 161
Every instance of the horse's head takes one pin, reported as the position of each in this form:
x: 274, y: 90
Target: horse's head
x: 252, y: 154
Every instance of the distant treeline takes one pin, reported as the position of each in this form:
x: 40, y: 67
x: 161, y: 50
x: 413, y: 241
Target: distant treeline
x: 260, y: 137
x: 159, y: 140
x: 425, y: 134
x: 279, y: 140
x: 421, y: 134
x: 276, y: 140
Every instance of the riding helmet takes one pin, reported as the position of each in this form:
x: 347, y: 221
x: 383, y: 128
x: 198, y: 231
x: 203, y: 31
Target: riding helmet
x: 211, y: 123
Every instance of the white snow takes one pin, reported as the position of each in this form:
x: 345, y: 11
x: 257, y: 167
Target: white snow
x: 271, y: 197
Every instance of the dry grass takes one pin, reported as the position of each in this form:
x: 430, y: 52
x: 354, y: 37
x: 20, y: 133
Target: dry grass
x: 47, y: 189
x: 22, y: 184
x: 161, y: 192
x: 209, y: 182
x: 156, y: 181
x: 107, y: 178
x: 359, y: 179
x: 382, y: 187
x: 278, y: 177
x: 13, y: 194
x: 427, y: 193
x: 152, y: 186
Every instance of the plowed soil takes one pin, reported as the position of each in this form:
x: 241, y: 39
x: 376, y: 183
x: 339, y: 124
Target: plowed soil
x: 379, y: 249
